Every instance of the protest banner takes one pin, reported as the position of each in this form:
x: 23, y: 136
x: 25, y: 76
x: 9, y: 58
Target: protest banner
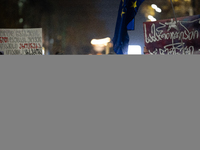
x: 21, y: 41
x: 168, y: 37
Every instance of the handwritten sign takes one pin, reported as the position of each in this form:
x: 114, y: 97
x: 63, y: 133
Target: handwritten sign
x: 21, y: 41
x: 164, y: 37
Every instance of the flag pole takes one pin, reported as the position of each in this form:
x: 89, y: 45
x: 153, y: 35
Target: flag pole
x: 174, y: 13
x: 176, y: 21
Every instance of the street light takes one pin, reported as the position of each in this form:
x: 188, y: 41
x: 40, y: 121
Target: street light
x: 158, y: 10
x: 100, y: 44
x: 151, y: 18
x: 154, y: 6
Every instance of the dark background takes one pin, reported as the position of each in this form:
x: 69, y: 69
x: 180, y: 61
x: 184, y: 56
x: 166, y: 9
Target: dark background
x: 69, y: 26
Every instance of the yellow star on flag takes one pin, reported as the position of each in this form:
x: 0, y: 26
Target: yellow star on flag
x: 123, y: 9
x: 134, y: 4
x: 122, y: 13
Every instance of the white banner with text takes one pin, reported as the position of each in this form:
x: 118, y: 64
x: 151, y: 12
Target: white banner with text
x: 21, y: 41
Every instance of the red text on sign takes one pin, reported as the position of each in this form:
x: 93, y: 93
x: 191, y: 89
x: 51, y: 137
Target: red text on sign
x: 30, y: 46
x: 3, y: 39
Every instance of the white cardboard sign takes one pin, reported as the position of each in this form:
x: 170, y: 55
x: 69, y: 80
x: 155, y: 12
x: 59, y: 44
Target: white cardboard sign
x: 21, y: 41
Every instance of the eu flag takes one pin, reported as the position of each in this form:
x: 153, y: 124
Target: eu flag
x: 125, y: 21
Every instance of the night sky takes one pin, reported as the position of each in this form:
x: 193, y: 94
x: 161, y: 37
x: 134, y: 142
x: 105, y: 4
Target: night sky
x: 71, y: 24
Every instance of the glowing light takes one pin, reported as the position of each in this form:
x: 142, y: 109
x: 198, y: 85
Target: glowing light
x: 151, y: 18
x: 158, y: 10
x: 104, y: 41
x: 154, y: 6
x: 100, y: 44
x: 43, y: 51
x: 21, y: 20
x: 134, y: 50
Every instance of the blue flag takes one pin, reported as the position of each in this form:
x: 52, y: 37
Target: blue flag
x: 125, y: 21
